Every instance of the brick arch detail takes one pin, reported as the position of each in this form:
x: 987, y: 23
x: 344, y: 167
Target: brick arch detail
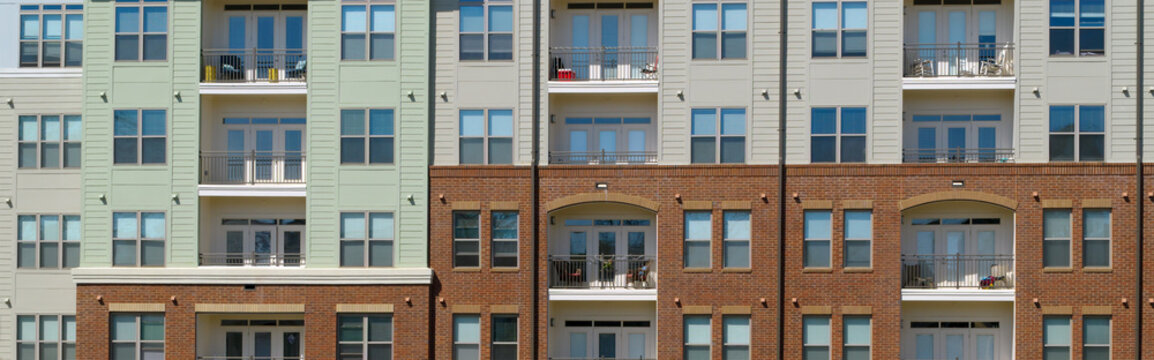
x: 576, y: 199
x: 956, y: 196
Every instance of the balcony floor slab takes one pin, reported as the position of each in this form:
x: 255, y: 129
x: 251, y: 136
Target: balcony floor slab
x: 959, y: 83
x: 603, y: 87
x: 271, y: 190
x: 254, y: 88
x: 957, y: 295
x: 602, y: 295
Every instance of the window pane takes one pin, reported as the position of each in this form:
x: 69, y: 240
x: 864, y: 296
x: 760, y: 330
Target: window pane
x: 705, y: 121
x: 705, y: 45
x: 696, y: 254
x: 504, y: 225
x: 380, y: 122
x: 472, y: 19
x: 380, y: 328
x: 817, y: 253
x: 155, y: 19
x: 466, y: 225
x: 466, y: 329
x: 1096, y: 223
x: 825, y: 15
x: 817, y: 224
x: 473, y: 123
x: 126, y: 47
x: 155, y: 47
x: 1061, y: 41
x: 1092, y: 13
x: 71, y: 255
x: 352, y: 150
x: 1056, y: 330
x: 352, y: 253
x: 350, y: 328
x: 857, y: 330
x: 152, y: 327
x: 382, y: 46
x: 50, y: 155
x: 824, y: 121
x: 124, y: 225
x: 1091, y: 118
x: 51, y: 56
x: 353, y: 46
x: 501, y: 18
x: 1091, y: 147
x: 500, y: 123
x: 733, y: 16
x: 504, y: 328
x: 123, y: 327
x: 124, y: 252
x: 500, y: 46
x: 49, y: 328
x: 733, y: 45
x: 152, y: 150
x: 853, y: 43
x: 1056, y: 353
x: 733, y: 149
x: 73, y: 129
x: 857, y: 225
x: 380, y: 150
x: 352, y: 122
x: 1061, y: 12
x: 127, y: 19
x: 815, y: 330
x: 698, y: 225
x: 151, y: 253
x: 352, y: 226
x: 857, y: 253
x: 472, y: 47
x: 30, y: 26
x: 704, y: 17
x: 1056, y: 253
x: 853, y: 149
x: 854, y: 15
x: 732, y: 122
x: 152, y: 225
x: 353, y: 18
x: 853, y: 120
x: 381, y: 253
x: 1096, y: 253
x: 380, y: 225
x: 384, y: 18
x: 736, y: 330
x: 704, y: 150
x: 49, y: 227
x: 26, y: 230
x: 736, y: 225
x: 1061, y: 147
x: 472, y: 151
x: 697, y: 329
x: 1096, y: 330
x: 124, y: 123
x: 28, y: 54
x: 74, y: 27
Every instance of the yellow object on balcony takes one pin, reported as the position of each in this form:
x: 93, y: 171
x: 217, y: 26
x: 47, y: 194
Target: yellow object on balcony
x: 209, y: 73
x: 272, y: 75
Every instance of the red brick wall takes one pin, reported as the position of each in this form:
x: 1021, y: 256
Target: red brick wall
x: 410, y: 322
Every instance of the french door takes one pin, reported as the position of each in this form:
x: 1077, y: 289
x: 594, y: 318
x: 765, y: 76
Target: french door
x: 269, y: 39
x: 265, y: 153
x: 948, y: 34
x: 264, y: 244
x: 610, y: 44
x: 954, y: 344
x: 263, y: 343
x: 609, y: 343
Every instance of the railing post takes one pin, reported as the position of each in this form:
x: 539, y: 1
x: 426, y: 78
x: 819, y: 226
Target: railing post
x: 252, y: 166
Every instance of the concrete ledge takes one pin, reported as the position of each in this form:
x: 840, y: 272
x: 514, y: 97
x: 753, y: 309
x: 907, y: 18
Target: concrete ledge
x: 365, y: 308
x: 270, y: 190
x: 958, y: 195
x: 816, y: 310
x: 697, y: 205
x: 466, y: 205
x: 1057, y: 310
x: 736, y: 205
x: 465, y: 309
x: 1097, y: 204
x: 602, y: 87
x: 601, y: 197
x: 1057, y: 203
x: 250, y: 308
x: 602, y: 295
x: 736, y: 310
x: 504, y: 205
x: 697, y: 310
x: 244, y: 276
x: 817, y: 204
x: 957, y: 295
x: 1097, y: 310
x: 136, y: 307
x: 504, y: 309
x: 857, y: 310
x: 857, y: 204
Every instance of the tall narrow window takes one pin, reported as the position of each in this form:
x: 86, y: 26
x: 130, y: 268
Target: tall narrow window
x: 141, y: 30
x: 815, y: 337
x: 736, y: 337
x: 1096, y: 238
x: 736, y: 239
x: 504, y: 336
x: 466, y: 337
x: 716, y: 141
x: 698, y: 233
x: 857, y: 338
x: 486, y: 139
x: 47, y: 241
x: 137, y: 336
x: 833, y: 143
x: 1056, y: 238
x: 1078, y: 27
x: 369, y: 37
x: 1096, y: 338
x: 380, y: 233
x: 1055, y: 338
x: 858, y: 238
x: 45, y: 337
x: 59, y: 42
x: 367, y: 142
x: 365, y: 336
x: 1077, y: 135
x: 504, y: 232
x: 818, y: 228
x: 466, y: 238
x: 486, y: 28
x: 851, y: 27
x: 140, y: 137
x: 138, y: 239
x: 697, y: 337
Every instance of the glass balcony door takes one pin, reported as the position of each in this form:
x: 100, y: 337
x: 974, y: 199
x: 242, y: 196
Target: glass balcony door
x: 609, y: 43
x: 958, y: 138
x: 262, y: 342
x: 956, y: 39
x: 608, y: 140
x: 267, y: 150
x: 266, y: 39
x: 607, y: 340
x: 964, y: 343
x: 263, y: 243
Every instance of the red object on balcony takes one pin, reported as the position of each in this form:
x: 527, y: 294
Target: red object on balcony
x: 565, y: 74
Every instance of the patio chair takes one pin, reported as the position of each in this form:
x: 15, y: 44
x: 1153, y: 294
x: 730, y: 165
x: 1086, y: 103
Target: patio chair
x: 231, y: 67
x: 922, y: 67
x: 650, y: 70
x: 998, y: 65
x: 298, y: 71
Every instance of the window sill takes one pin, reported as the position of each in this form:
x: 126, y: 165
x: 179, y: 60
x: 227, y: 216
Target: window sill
x: 467, y: 269
x: 817, y: 270
x: 1057, y: 269
x: 504, y: 270
x: 1097, y: 269
x: 858, y: 270
x: 737, y: 270
x: 697, y: 270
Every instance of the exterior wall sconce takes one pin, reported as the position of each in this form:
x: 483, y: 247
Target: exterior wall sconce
x: 9, y: 101
x: 1035, y: 195
x: 677, y: 301
x: 102, y: 198
x: 958, y: 183
x: 602, y: 186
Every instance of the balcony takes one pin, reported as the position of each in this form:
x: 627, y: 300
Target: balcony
x: 603, y: 69
x: 986, y: 272
x: 229, y: 71
x: 602, y: 158
x: 249, y: 336
x: 254, y: 167
x: 959, y: 155
x: 249, y: 358
x: 959, y: 66
x: 251, y: 259
x: 602, y: 272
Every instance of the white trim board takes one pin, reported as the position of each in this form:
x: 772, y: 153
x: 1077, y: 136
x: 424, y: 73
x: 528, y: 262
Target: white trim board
x: 263, y: 276
x: 957, y: 295
x: 602, y: 295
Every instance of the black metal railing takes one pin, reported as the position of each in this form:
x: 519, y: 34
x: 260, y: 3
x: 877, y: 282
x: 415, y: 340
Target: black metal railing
x: 222, y: 357
x: 958, y: 271
x: 602, y: 157
x: 959, y: 59
x: 602, y: 272
x: 255, y: 65
x: 252, y: 259
x: 252, y: 167
x: 601, y: 358
x: 959, y: 155
x: 603, y: 63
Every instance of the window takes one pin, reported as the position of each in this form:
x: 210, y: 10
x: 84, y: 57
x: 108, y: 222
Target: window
x: 857, y: 338
x: 1077, y: 138
x: 817, y: 238
x: 832, y: 143
x: 852, y: 28
x: 139, y: 137
x: 1096, y: 338
x: 466, y: 238
x: 141, y: 30
x: 486, y: 140
x: 1056, y: 238
x: 47, y: 142
x: 365, y: 336
x: 466, y: 337
x: 858, y: 238
x: 735, y: 340
x: 504, y: 232
x: 698, y: 234
x: 697, y: 337
x: 1084, y: 37
x: 134, y: 245
x: 733, y: 20
x: 1096, y: 238
x: 497, y: 41
x: 711, y: 137
x: 370, y: 37
x: 377, y: 132
x: 379, y: 242
x: 51, y: 35
x: 137, y: 336
x: 45, y: 337
x: 1055, y: 338
x: 815, y: 337
x: 48, y: 241
x: 504, y: 337
x: 736, y: 239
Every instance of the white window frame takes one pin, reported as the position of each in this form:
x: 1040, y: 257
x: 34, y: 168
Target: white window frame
x: 838, y: 135
x: 62, y: 142
x: 139, y: 136
x: 141, y: 33
x: 457, y: 343
x: 368, y: 30
x: 829, y: 326
x: 516, y: 332
x: 368, y: 137
x: 708, y: 241
x: 486, y: 137
x: 137, y: 340
x: 829, y: 241
x: 1109, y: 333
x: 140, y: 239
x: 840, y: 31
x: 368, y: 240
x: 62, y: 341
x: 720, y: 31
x: 1078, y: 133
x: 365, y: 342
x: 1078, y: 30
x: 493, y: 239
x: 729, y: 343
x: 1109, y: 244
x: 1069, y: 239
x: 726, y: 240
x: 847, y: 239
x: 38, y: 242
x: 64, y: 12
x: 718, y: 136
x: 845, y: 339
x: 476, y: 214
x: 486, y: 31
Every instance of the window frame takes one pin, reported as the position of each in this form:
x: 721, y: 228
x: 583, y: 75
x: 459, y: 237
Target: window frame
x: 139, y: 240
x: 1069, y: 331
x: 494, y: 343
x: 718, y: 136
x: 806, y: 239
x: 829, y: 336
x: 62, y: 142
x: 476, y: 214
x: 365, y: 341
x: 37, y: 343
x: 1077, y: 29
x: 457, y: 343
x: 1077, y: 132
x: 1109, y: 333
x: 726, y: 342
x: 367, y: 137
x: 368, y: 240
x: 141, y: 33
x: 38, y: 242
x: 486, y: 31
x: 1086, y: 238
x: 494, y: 240
x: 687, y: 344
x: 726, y: 240
x: 140, y: 137
x: 839, y: 31
x: 137, y: 339
x: 718, y: 33
x: 845, y: 330
x: 687, y: 240
x: 486, y: 135
x: 839, y: 135
x: 368, y: 32
x: 1068, y: 238
x: 40, y: 11
x: 846, y: 239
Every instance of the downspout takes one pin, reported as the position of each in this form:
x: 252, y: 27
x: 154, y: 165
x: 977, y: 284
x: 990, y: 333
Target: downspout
x: 1139, y: 175
x: 533, y: 172
x: 781, y: 108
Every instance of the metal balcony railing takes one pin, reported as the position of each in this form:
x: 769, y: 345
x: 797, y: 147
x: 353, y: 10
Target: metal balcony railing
x: 958, y: 271
x: 602, y: 272
x: 250, y: 358
x: 252, y: 167
x: 602, y: 157
x: 251, y: 259
x: 600, y: 358
x: 254, y: 66
x: 959, y: 155
x: 603, y: 63
x: 959, y: 59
